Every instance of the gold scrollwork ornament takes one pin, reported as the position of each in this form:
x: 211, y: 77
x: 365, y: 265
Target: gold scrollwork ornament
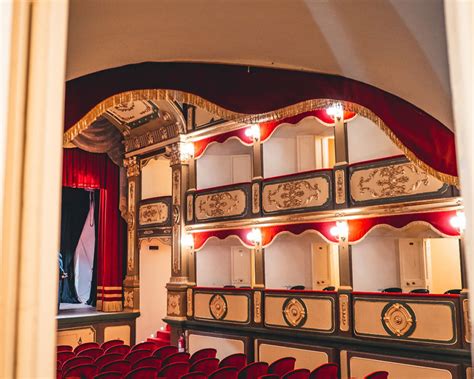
x: 294, y: 312
x: 398, y: 319
x: 218, y: 307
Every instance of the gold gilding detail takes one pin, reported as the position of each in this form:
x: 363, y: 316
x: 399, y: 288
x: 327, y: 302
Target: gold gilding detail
x: 294, y: 312
x: 218, y: 307
x: 189, y: 298
x: 156, y: 213
x: 220, y: 204
x: 173, y: 305
x: 467, y: 321
x: 132, y: 166
x: 398, y: 320
x: 189, y: 208
x: 344, y: 313
x: 340, y: 186
x: 255, y: 198
x: 257, y: 304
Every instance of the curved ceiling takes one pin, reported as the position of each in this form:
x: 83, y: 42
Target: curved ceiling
x: 396, y: 45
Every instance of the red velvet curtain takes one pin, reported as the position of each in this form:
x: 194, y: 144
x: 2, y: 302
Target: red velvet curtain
x: 87, y: 170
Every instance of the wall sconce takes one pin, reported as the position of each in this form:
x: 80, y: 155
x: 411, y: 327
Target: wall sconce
x: 187, y: 151
x: 340, y: 231
x: 336, y: 111
x: 253, y: 132
x: 255, y: 236
x: 187, y: 241
x: 459, y: 221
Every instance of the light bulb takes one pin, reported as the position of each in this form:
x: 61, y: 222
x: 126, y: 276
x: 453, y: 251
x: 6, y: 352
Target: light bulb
x: 253, y: 131
x: 255, y: 236
x: 335, y: 110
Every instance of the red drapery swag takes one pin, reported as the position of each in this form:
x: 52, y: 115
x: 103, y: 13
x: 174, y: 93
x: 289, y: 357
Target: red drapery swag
x: 87, y: 170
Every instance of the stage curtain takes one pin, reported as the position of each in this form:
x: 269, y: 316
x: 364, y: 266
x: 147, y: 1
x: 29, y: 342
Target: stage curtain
x: 88, y: 170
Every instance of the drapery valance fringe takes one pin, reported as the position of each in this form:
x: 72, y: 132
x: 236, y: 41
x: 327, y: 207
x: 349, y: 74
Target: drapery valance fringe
x: 288, y: 111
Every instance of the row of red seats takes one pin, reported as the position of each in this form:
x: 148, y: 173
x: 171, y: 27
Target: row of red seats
x: 114, y: 359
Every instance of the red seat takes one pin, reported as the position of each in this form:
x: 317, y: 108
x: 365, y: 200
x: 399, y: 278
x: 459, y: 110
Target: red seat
x: 144, y: 346
x: 59, y: 374
x: 174, y: 370
x: 63, y: 348
x: 107, y: 358
x: 108, y: 344
x: 63, y: 356
x: 148, y: 362
x: 118, y: 349
x: 225, y: 373
x: 253, y: 370
x: 120, y: 366
x: 201, y: 354
x: 83, y: 371
x: 282, y: 366
x: 238, y: 361
x: 206, y: 365
x: 94, y: 353
x: 301, y: 373
x: 326, y: 371
x: 109, y: 375
x: 270, y: 376
x: 142, y: 373
x: 194, y: 375
x: 175, y: 358
x: 165, y: 351
x: 135, y: 356
x: 76, y: 361
x: 377, y: 375
x: 85, y: 346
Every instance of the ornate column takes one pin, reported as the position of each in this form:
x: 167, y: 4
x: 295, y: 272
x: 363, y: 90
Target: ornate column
x: 131, y: 283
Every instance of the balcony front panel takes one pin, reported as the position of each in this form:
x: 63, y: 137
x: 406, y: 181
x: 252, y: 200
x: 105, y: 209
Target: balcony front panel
x: 154, y: 212
x: 407, y: 318
x: 303, y: 310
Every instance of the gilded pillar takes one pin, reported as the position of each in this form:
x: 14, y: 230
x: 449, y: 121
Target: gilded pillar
x: 131, y: 283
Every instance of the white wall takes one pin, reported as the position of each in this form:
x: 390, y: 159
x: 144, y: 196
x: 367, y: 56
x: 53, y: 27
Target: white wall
x: 445, y: 264
x: 156, y: 178
x: 367, y: 141
x: 155, y: 271
x: 375, y: 264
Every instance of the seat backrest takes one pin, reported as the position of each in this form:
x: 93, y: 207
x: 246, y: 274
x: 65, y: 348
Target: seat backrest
x: 201, y: 354
x: 175, y: 358
x: 118, y: 349
x: 238, y: 361
x: 108, y: 344
x: 63, y: 356
x: 148, y: 362
x: 270, y: 376
x: 63, y: 348
x: 107, y: 358
x: 225, y: 373
x: 165, y: 351
x: 326, y: 371
x: 135, y: 356
x: 206, y: 365
x: 144, y: 346
x: 94, y: 353
x: 142, y: 373
x: 194, y: 375
x: 83, y: 371
x: 109, y: 375
x: 392, y: 289
x: 299, y: 287
x: 253, y: 370
x: 282, y: 366
x: 76, y: 361
x: 120, y: 366
x: 377, y: 375
x: 85, y: 346
x: 174, y: 370
x: 300, y: 373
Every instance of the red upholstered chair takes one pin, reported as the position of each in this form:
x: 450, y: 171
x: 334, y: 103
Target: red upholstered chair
x: 148, y: 362
x: 206, y: 365
x: 135, y: 356
x: 119, y: 366
x: 238, y: 361
x: 63, y: 348
x: 85, y: 346
x: 270, y: 376
x: 76, y: 361
x: 174, y: 370
x: 119, y: 349
x: 194, y: 375
x: 225, y: 373
x: 59, y: 373
x: 108, y: 344
x: 109, y: 375
x: 165, y: 351
x: 301, y: 373
x: 253, y: 370
x: 175, y: 358
x: 63, y: 356
x: 377, y: 375
x: 201, y: 354
x: 142, y: 373
x: 107, y: 358
x: 94, y: 353
x: 83, y: 372
x: 282, y: 366
x: 326, y: 371
x: 144, y: 346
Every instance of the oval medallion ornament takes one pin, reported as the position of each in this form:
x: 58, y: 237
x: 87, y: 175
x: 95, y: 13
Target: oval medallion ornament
x: 218, y: 307
x: 294, y: 312
x: 398, y: 319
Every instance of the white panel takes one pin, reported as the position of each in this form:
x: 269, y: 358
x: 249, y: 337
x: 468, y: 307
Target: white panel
x: 412, y: 264
x: 321, y: 265
x: 306, y: 152
x: 445, y: 264
x: 156, y: 178
x: 241, y: 168
x: 213, y: 171
x: 279, y: 156
x: 241, y: 272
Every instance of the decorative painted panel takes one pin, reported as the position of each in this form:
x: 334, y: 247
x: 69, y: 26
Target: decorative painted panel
x: 392, y: 180
x: 76, y: 336
x: 298, y: 193
x: 155, y: 212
